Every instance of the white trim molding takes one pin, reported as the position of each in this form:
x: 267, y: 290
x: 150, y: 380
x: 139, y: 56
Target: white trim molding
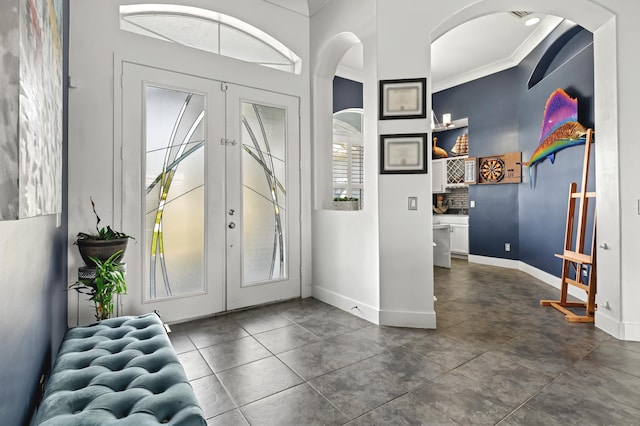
x: 631, y: 331
x: 543, y: 276
x: 610, y: 325
x: 347, y: 304
x: 493, y: 261
x: 408, y: 319
x: 375, y: 315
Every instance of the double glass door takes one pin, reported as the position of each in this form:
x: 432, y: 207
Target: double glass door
x: 210, y: 189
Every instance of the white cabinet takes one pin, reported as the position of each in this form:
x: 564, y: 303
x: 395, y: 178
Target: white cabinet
x: 447, y: 173
x: 438, y: 176
x: 455, y: 172
x: 458, y: 231
x: 441, y: 246
x: 460, y: 239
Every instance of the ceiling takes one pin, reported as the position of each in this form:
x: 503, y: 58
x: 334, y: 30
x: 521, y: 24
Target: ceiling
x: 475, y: 49
x: 303, y: 7
x: 485, y: 46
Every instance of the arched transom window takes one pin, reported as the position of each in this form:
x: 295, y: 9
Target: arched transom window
x: 209, y: 31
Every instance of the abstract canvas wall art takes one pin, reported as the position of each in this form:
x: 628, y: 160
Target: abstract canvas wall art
x: 30, y: 108
x: 9, y: 105
x: 40, y: 122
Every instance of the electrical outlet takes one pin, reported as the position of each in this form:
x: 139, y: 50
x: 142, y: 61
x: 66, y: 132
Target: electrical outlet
x: 507, y: 246
x: 584, y: 272
x: 472, y: 204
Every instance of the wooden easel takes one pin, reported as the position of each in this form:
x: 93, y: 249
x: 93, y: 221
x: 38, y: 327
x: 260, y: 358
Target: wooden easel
x: 576, y: 257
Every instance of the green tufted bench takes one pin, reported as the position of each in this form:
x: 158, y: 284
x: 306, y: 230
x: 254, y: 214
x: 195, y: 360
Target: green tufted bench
x: 120, y: 371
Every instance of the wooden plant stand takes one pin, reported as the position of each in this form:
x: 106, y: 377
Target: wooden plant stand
x: 574, y: 255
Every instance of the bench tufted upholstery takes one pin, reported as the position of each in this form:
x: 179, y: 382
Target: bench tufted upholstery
x: 120, y: 371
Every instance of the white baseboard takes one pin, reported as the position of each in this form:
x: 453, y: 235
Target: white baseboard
x: 609, y: 325
x: 347, y: 304
x: 543, y: 276
x: 493, y: 261
x: 374, y: 315
x: 408, y: 319
x: 631, y: 331
x: 552, y: 280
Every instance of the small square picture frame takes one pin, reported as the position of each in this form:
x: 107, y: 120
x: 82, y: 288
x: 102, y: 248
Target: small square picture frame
x: 403, y: 99
x: 403, y: 153
x: 470, y: 173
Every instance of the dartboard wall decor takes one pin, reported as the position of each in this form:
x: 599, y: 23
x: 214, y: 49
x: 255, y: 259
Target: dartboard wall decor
x: 499, y: 169
x: 492, y: 169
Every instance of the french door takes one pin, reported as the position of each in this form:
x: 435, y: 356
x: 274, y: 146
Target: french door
x: 210, y: 189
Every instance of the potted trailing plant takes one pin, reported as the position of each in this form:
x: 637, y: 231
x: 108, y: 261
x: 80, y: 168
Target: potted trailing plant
x: 346, y: 203
x: 102, y: 244
x: 107, y: 282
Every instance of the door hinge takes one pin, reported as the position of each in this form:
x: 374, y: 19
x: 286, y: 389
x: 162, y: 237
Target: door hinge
x: 224, y: 86
x: 225, y: 141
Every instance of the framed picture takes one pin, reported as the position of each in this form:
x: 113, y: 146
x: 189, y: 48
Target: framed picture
x: 403, y: 153
x: 403, y: 98
x: 470, y: 176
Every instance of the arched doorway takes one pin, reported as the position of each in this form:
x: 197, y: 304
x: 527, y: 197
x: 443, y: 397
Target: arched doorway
x: 601, y: 23
x: 323, y: 101
x: 344, y: 243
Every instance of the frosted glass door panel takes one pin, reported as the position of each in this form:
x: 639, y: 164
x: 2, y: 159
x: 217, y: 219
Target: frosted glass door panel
x: 264, y: 196
x: 175, y: 192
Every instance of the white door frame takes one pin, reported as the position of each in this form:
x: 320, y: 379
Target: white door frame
x: 243, y: 297
x: 240, y: 294
x: 211, y: 299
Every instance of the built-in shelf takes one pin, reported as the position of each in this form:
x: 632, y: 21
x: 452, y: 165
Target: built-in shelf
x: 455, y: 172
x: 455, y: 124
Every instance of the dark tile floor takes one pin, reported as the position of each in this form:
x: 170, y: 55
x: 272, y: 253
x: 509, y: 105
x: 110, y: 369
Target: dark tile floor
x: 496, y: 357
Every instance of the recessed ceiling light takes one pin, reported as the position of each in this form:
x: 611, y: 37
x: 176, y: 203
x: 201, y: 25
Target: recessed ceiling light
x: 531, y: 21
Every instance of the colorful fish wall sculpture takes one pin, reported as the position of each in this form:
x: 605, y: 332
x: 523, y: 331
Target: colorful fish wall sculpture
x: 560, y: 130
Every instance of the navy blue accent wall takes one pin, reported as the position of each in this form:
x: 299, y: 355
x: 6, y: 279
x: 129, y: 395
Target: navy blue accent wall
x: 33, y: 306
x: 447, y: 138
x: 505, y: 116
x: 346, y: 94
x: 491, y: 107
x: 543, y: 209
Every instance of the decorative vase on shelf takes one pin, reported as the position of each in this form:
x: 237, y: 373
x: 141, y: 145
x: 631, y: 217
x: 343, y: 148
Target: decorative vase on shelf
x: 437, y: 151
x: 462, y: 145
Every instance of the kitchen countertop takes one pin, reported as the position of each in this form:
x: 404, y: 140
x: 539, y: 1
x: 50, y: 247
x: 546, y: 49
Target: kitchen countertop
x: 451, y: 219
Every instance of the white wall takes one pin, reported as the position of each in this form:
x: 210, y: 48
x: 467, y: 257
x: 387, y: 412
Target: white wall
x: 627, y: 33
x: 94, y: 46
x: 406, y: 254
x: 405, y: 30
x: 345, y: 243
x: 374, y: 258
x: 391, y: 254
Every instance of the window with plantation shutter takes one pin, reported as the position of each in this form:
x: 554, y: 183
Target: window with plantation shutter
x: 348, y: 158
